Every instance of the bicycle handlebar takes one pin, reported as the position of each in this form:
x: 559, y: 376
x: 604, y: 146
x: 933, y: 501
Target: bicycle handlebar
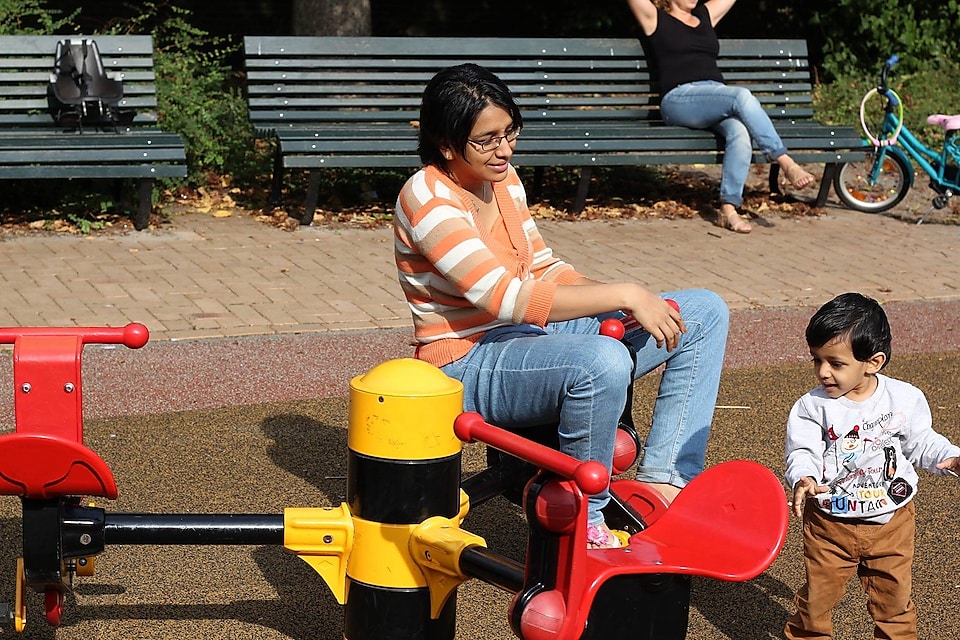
x: 889, y: 64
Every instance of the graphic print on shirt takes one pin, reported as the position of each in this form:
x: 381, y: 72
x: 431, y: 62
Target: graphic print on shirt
x: 866, y: 480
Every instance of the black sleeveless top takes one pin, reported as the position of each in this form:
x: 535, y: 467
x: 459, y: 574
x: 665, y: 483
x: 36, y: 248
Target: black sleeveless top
x: 684, y: 54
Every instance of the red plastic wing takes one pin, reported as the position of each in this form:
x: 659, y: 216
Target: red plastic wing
x: 42, y: 467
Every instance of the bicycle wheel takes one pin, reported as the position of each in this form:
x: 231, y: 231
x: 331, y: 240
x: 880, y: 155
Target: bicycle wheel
x: 856, y: 190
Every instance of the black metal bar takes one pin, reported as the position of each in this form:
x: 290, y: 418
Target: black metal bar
x: 493, y: 568
x: 197, y: 529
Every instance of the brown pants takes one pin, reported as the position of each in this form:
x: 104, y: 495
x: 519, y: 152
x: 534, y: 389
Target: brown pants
x: 882, y: 556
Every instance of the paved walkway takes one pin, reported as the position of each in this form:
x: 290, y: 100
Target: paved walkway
x: 214, y: 277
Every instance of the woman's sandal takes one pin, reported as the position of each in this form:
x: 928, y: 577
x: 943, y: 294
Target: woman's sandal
x: 600, y: 536
x: 798, y: 177
x: 733, y: 222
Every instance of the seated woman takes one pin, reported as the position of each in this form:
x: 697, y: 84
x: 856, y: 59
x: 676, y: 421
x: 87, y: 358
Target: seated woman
x: 494, y: 308
x: 683, y: 44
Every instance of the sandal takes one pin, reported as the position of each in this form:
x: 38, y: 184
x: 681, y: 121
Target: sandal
x: 733, y: 222
x: 599, y: 536
x: 798, y: 177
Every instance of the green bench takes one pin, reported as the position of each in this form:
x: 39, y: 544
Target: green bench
x: 34, y: 146
x: 354, y: 101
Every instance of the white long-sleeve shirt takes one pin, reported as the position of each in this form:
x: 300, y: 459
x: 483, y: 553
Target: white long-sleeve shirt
x: 866, y: 451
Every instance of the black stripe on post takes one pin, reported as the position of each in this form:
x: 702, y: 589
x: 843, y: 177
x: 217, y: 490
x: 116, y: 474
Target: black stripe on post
x: 402, y: 491
x: 401, y: 614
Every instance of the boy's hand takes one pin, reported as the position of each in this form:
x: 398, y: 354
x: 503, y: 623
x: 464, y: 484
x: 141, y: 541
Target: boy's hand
x: 807, y: 486
x: 950, y: 465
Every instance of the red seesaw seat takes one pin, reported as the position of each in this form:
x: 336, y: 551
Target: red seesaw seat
x: 46, y: 458
x: 729, y: 523
x: 42, y: 467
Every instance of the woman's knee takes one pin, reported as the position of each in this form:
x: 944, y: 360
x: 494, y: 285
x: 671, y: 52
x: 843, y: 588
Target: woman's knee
x: 745, y: 100
x: 607, y: 361
x: 707, y: 308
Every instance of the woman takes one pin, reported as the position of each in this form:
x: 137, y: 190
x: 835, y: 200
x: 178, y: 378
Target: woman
x: 684, y: 46
x: 493, y: 308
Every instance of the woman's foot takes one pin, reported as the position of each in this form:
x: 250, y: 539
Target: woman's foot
x: 599, y: 536
x: 730, y: 219
x: 668, y: 491
x: 797, y: 176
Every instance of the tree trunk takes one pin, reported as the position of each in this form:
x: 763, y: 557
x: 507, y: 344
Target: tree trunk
x: 331, y: 17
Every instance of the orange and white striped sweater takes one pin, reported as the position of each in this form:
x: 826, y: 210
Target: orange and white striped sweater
x: 462, y: 281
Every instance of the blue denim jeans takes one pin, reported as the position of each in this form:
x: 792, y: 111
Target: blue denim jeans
x: 569, y: 375
x: 733, y: 113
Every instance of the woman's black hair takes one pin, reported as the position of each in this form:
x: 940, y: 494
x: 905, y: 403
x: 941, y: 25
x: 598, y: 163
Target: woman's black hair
x: 856, y: 317
x: 452, y: 100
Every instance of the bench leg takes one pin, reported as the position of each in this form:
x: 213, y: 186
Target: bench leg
x: 829, y: 172
x: 537, y: 189
x: 774, y: 180
x: 144, y: 204
x: 313, y: 194
x: 276, y: 184
x: 582, y: 189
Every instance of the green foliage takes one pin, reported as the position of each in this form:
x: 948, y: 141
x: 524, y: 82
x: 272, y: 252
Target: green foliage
x: 861, y: 34
x: 197, y: 93
x: 32, y: 17
x: 924, y: 92
x: 84, y: 225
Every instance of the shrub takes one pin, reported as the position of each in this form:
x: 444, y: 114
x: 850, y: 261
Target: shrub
x: 861, y: 34
x: 198, y: 94
x: 32, y: 17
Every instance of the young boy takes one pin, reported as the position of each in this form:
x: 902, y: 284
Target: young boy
x: 851, y: 447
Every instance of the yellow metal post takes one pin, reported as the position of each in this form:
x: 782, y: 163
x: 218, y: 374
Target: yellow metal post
x: 403, y: 468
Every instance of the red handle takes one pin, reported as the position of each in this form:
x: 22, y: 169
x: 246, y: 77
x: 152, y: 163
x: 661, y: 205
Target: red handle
x: 133, y: 335
x: 614, y: 328
x: 591, y: 476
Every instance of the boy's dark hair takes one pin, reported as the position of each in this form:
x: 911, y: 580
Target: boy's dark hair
x: 451, y: 102
x: 856, y: 317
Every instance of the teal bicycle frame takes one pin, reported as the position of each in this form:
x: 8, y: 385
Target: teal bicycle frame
x: 935, y: 164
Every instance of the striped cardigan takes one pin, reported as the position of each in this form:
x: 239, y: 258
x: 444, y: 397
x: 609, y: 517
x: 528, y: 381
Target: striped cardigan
x: 458, y: 279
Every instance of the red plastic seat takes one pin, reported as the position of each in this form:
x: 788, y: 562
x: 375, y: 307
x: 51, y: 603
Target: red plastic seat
x: 46, y: 458
x: 729, y: 523
x: 42, y: 467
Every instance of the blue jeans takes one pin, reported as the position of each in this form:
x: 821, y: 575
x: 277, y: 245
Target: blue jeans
x: 733, y: 113
x: 569, y: 375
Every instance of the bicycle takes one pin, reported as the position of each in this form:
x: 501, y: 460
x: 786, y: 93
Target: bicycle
x: 884, y: 177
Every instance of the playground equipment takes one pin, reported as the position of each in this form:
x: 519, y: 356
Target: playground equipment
x: 395, y: 552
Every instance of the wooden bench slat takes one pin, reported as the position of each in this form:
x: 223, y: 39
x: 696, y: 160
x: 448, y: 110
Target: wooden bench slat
x: 50, y: 171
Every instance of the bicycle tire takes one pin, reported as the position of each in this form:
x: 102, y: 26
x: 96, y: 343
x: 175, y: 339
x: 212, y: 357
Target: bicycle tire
x: 852, y: 183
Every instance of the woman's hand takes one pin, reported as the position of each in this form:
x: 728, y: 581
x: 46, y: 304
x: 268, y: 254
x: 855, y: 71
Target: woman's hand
x: 588, y: 298
x: 657, y: 317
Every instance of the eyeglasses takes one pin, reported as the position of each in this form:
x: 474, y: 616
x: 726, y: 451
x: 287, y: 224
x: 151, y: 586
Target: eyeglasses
x: 492, y: 144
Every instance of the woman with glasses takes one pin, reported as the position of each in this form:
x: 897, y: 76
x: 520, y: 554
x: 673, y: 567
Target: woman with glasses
x: 679, y: 37
x: 494, y: 308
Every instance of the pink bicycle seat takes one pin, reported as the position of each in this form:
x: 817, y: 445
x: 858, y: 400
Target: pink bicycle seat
x: 947, y: 123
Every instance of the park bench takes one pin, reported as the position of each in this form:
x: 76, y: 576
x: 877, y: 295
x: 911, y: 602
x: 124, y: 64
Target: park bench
x: 354, y: 101
x: 34, y: 146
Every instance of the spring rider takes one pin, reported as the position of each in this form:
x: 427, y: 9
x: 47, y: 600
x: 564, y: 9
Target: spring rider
x: 396, y: 551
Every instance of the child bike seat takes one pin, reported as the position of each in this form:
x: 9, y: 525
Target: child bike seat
x: 947, y: 123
